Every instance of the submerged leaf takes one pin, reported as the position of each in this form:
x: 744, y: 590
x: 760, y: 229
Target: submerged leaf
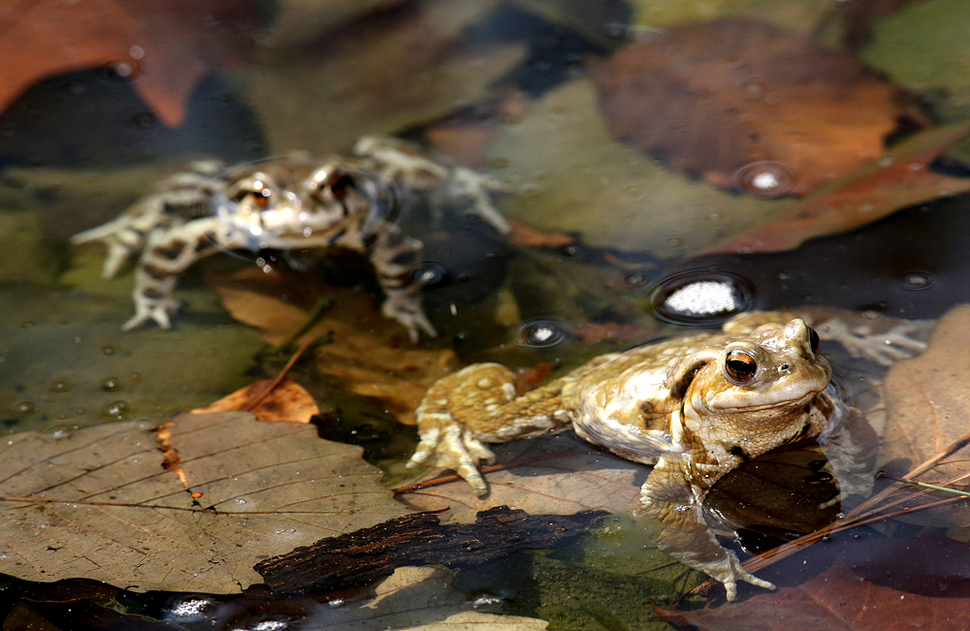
x: 100, y: 505
x: 899, y: 179
x: 735, y: 100
x: 365, y: 349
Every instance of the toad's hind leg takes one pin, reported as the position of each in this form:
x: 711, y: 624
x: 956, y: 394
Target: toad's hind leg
x: 478, y: 405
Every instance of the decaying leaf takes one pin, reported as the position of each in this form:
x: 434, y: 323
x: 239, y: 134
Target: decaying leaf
x: 366, y: 351
x: 288, y: 401
x: 166, y: 48
x: 562, y: 475
x: 417, y: 599
x: 735, y: 100
x: 926, y: 399
x: 100, y: 505
x: 899, y: 179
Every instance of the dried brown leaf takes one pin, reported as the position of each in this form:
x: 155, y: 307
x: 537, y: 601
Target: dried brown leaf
x: 167, y: 46
x: 288, y: 402
x: 715, y: 98
x: 100, y: 505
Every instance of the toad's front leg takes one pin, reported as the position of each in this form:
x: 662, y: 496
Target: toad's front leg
x: 478, y: 405
x: 673, y: 510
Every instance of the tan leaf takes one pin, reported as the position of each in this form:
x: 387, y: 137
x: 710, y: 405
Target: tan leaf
x: 728, y: 98
x: 927, y: 399
x: 288, y: 401
x: 99, y: 504
x: 366, y: 351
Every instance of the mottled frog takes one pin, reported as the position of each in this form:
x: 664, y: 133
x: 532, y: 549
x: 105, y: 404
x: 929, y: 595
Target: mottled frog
x: 694, y: 407
x: 293, y: 203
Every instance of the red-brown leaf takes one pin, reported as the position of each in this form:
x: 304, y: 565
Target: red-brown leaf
x: 168, y: 46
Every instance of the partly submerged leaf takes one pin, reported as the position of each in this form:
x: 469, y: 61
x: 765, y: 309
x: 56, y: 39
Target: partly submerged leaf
x: 835, y: 601
x: 365, y: 349
x: 287, y: 401
x: 735, y: 98
x: 899, y: 179
x: 417, y: 599
x: 165, y: 47
x: 99, y: 504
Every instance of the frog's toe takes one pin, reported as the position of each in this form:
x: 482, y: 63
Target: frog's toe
x: 457, y: 450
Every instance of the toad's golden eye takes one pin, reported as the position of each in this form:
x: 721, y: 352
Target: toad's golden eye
x: 261, y: 197
x: 740, y: 367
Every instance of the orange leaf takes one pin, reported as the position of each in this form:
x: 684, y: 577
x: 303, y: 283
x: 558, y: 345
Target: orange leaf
x: 167, y: 46
x: 289, y: 402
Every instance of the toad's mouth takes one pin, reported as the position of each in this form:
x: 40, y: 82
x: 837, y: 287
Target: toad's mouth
x: 804, y: 398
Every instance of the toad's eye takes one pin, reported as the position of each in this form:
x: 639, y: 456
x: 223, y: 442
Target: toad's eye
x: 740, y: 367
x: 813, y: 339
x: 259, y: 196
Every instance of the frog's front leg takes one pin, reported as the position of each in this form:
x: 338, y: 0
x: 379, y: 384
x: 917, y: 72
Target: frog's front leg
x: 394, y: 256
x: 167, y: 254
x: 478, y: 405
x: 673, y: 508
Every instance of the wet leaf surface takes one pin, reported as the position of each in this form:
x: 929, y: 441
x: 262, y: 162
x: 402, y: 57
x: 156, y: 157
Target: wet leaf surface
x: 736, y: 100
x: 901, y: 178
x: 367, y: 352
x: 166, y: 48
x: 98, y: 504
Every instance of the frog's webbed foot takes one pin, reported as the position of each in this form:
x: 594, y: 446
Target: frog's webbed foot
x: 728, y: 572
x: 903, y: 339
x: 406, y: 309
x: 158, y: 311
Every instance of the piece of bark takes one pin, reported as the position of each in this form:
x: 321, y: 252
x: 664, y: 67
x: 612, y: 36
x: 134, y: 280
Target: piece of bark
x: 368, y: 554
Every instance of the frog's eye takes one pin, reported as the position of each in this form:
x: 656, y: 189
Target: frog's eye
x: 740, y: 367
x: 339, y: 185
x: 813, y: 339
x: 259, y: 195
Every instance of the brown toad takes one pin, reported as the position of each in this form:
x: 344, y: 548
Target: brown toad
x: 694, y: 407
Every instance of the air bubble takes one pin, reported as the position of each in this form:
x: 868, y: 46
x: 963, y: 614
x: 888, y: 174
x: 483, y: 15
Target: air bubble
x: 116, y: 409
x: 541, y: 333
x: 108, y: 350
x: 60, y: 386
x: 766, y: 178
x: 192, y: 609
x: 61, y: 432
x: 429, y: 273
x: 110, y: 384
x: 917, y: 281
x: 25, y: 407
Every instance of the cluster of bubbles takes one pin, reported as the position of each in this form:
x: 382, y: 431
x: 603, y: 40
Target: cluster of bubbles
x: 701, y: 296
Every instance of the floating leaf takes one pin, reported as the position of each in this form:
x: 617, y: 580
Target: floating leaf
x: 99, y: 504
x: 747, y: 106
x: 166, y: 48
